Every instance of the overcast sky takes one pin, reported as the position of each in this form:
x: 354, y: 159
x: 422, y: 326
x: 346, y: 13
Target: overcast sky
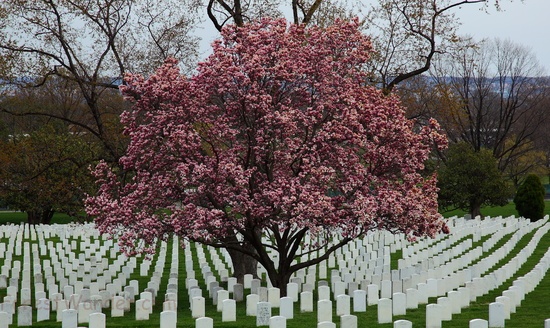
x: 526, y: 23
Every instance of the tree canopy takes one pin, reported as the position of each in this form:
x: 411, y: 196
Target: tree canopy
x: 469, y: 179
x: 529, y: 199
x: 44, y: 172
x: 261, y: 143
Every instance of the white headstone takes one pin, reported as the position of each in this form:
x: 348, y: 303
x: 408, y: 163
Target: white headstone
x: 386, y: 289
x: 97, y: 320
x: 496, y: 315
x: 433, y: 316
x: 323, y: 293
x: 68, y: 291
x: 455, y: 298
x: 238, y: 292
x: 385, y: 310
x: 84, y: 311
x: 343, y: 305
x: 247, y: 279
x: 514, y: 299
x: 195, y: 292
x: 5, y: 319
x: 169, y: 306
x: 292, y: 290
x: 43, y: 310
x: 446, y: 308
x: 372, y: 294
x: 324, y: 310
x: 274, y: 296
x: 399, y: 302
x: 24, y: 316
x: 348, y: 321
x: 168, y: 319
x: 85, y: 295
x: 277, y: 322
x: 306, y: 302
x: 402, y: 324
x: 287, y: 308
x: 231, y: 281
x: 198, y: 307
x: 118, y: 304
x: 148, y: 303
x: 251, y: 302
x: 204, y: 322
x: 339, y: 288
x: 412, y: 298
x: 38, y: 296
x: 105, y: 297
x: 130, y: 293
x: 69, y: 318
x: 359, y: 300
x: 61, y: 306
x: 423, y: 293
x: 432, y: 287
x: 222, y: 296
x: 479, y: 323
x: 74, y: 300
x: 254, y: 286
x: 143, y: 309
x: 263, y: 314
x: 25, y: 297
x: 505, y: 300
x: 229, y: 310
x: 263, y: 292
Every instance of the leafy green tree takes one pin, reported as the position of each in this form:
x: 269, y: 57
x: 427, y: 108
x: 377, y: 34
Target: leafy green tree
x: 45, y: 171
x: 470, y: 179
x: 529, y: 198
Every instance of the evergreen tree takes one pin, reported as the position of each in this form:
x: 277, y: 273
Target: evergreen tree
x: 529, y: 198
x: 471, y: 179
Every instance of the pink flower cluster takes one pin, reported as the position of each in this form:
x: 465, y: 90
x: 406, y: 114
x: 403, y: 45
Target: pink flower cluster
x: 277, y: 132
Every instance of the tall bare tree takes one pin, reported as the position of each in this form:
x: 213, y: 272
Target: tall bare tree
x: 93, y: 44
x: 409, y: 35
x: 500, y: 98
x: 239, y: 12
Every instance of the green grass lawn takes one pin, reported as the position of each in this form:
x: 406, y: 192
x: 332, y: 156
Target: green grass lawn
x: 7, y: 217
x: 493, y: 211
x: 532, y: 313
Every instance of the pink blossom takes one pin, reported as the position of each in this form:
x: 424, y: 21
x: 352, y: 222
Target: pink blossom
x: 277, y: 132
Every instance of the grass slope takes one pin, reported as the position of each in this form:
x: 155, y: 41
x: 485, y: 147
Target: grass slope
x: 532, y: 312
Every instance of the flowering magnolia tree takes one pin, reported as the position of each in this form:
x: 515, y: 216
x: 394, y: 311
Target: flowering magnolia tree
x: 277, y: 137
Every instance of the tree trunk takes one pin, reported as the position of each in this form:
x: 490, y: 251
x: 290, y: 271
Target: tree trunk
x: 280, y: 279
x: 242, y: 264
x: 38, y: 217
x: 475, y: 209
x: 47, y: 216
x: 33, y: 217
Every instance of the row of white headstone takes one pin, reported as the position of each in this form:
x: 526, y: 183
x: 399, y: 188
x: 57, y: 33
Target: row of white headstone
x: 454, y: 282
x: 79, y: 285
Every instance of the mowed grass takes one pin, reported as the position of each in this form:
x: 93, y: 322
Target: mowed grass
x: 13, y: 217
x: 7, y: 217
x: 494, y: 211
x: 532, y: 313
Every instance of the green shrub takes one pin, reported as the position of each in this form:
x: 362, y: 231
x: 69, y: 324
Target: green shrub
x: 529, y: 198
